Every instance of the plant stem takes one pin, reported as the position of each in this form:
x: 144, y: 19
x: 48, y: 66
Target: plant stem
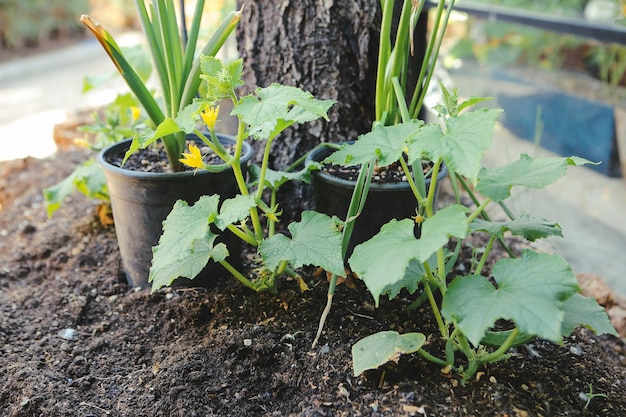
x: 432, y: 358
x: 497, y: 354
x: 433, y: 304
x: 245, y: 281
x: 243, y: 235
x: 484, y: 214
x: 480, y: 210
x: 410, y: 180
x: 430, y: 200
x: 483, y: 258
x: 329, y: 303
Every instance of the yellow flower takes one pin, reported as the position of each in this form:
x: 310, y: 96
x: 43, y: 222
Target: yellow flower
x: 81, y: 142
x: 193, y: 158
x: 209, y: 115
x: 136, y: 112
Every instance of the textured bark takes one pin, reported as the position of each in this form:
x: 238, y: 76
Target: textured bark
x: 327, y: 47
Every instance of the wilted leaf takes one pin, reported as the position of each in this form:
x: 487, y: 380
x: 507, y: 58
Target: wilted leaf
x: 380, y: 348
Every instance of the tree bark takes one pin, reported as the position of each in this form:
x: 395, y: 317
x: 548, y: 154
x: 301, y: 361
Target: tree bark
x: 327, y: 47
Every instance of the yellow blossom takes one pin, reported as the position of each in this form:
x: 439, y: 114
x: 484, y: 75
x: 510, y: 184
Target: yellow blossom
x: 209, y: 115
x: 136, y: 112
x: 193, y: 158
x: 81, y: 142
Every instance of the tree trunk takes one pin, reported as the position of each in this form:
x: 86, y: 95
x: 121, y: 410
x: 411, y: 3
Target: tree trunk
x: 327, y: 47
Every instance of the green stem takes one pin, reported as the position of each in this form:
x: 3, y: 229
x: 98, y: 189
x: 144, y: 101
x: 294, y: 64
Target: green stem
x: 432, y: 358
x: 245, y: 281
x: 479, y: 210
x: 208, y: 142
x: 484, y: 214
x: 264, y: 166
x: 243, y: 235
x: 430, y: 199
x: 433, y: 304
x: 483, y: 258
x: 410, y: 180
x: 497, y: 354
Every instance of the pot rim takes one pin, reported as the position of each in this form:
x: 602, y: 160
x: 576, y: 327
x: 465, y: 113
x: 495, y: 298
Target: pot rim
x: 116, y: 147
x: 341, y: 182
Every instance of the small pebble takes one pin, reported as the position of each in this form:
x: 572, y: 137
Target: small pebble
x: 247, y: 342
x: 67, y: 334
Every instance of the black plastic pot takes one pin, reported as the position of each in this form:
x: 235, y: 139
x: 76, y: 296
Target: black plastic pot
x: 385, y: 201
x: 142, y: 200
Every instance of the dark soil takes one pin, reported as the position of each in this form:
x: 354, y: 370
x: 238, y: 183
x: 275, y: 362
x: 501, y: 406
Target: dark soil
x: 154, y: 158
x: 75, y: 340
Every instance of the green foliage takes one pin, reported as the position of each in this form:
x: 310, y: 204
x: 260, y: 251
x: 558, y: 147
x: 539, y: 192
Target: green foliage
x: 537, y: 293
x: 383, y: 261
x: 175, y: 62
x: 117, y: 121
x: 187, y: 242
x: 87, y: 178
x: 263, y: 115
x: 316, y: 240
x: 530, y: 292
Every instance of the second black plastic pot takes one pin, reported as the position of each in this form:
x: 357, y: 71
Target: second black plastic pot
x: 385, y: 201
x: 142, y: 200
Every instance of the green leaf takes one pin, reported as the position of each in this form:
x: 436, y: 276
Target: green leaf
x: 186, y: 118
x: 528, y: 172
x: 383, y: 262
x: 234, y: 210
x: 274, y: 179
x: 531, y: 292
x: 380, y: 348
x: 277, y: 107
x: 167, y: 127
x: 528, y: 227
x: 585, y: 312
x: 386, y: 143
x: 462, y: 145
x: 316, y: 240
x: 221, y: 79
x: 186, y: 244
x: 87, y: 178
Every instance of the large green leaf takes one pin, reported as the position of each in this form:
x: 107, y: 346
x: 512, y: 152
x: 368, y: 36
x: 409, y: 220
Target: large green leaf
x: 380, y: 348
x: 528, y: 227
x: 531, y: 292
x: 585, y: 312
x: 383, y: 261
x: 275, y: 108
x: 461, y: 146
x: 385, y: 143
x: 316, y: 240
x: 186, y: 244
x: 533, y: 173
